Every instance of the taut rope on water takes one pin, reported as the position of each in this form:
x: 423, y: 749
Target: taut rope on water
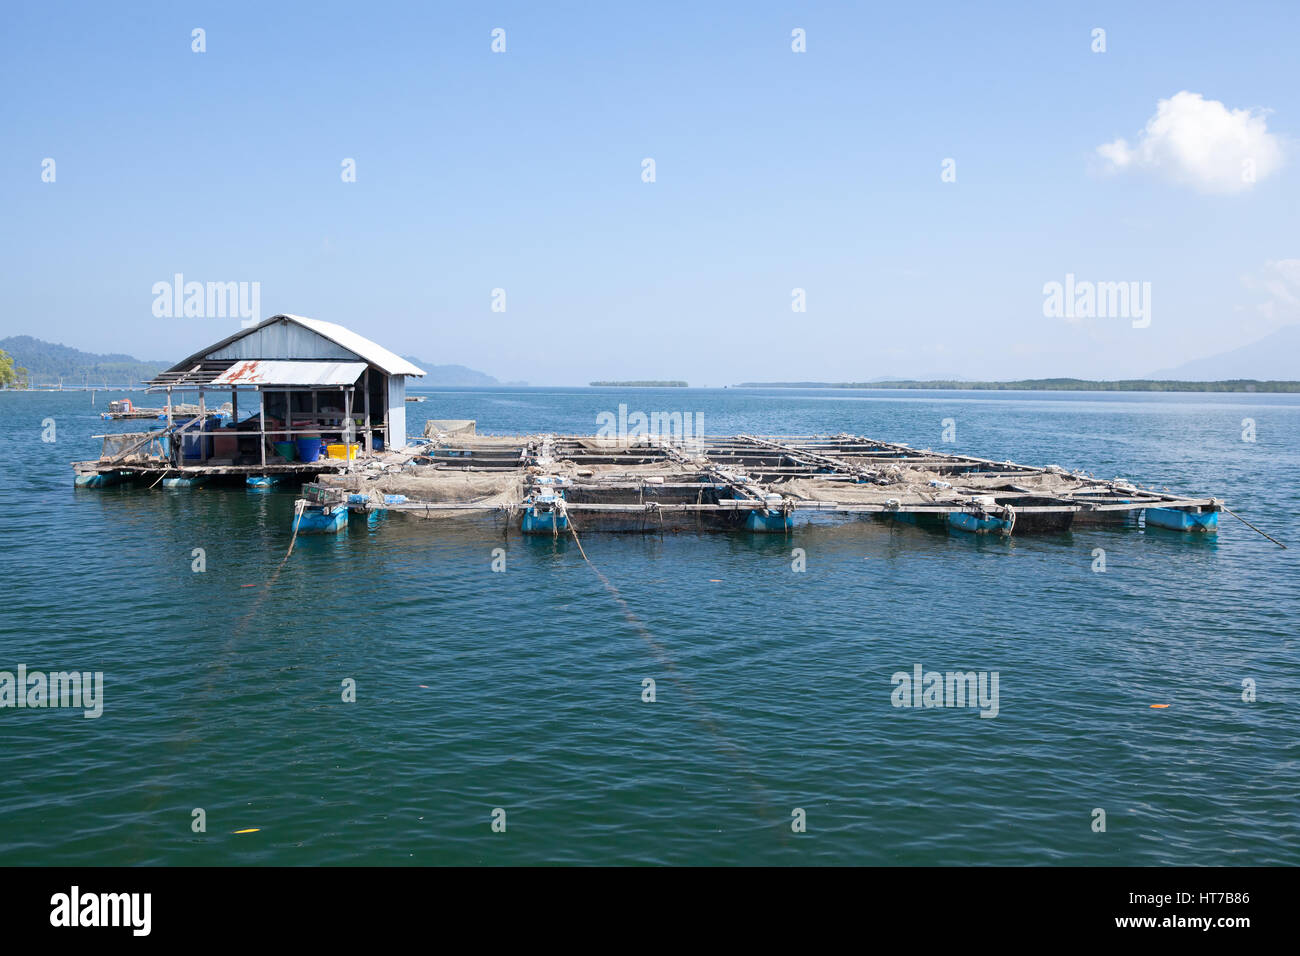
x: 1253, y: 528
x: 727, y: 747
x: 298, y: 507
x: 238, y: 629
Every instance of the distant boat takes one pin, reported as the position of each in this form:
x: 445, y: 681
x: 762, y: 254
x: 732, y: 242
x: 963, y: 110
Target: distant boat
x: 125, y: 408
x: 415, y: 398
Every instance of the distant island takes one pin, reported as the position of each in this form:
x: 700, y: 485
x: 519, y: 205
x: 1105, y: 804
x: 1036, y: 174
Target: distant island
x: 648, y: 383
x: 1056, y: 385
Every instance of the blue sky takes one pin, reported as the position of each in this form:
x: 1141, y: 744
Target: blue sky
x: 774, y: 170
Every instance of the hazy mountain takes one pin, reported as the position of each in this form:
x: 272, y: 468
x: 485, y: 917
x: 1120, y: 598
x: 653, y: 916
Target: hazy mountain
x: 452, y: 375
x: 1275, y: 356
x: 48, y: 362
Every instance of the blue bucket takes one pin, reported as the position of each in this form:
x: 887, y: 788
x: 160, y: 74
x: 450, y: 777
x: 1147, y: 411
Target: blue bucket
x: 308, y: 449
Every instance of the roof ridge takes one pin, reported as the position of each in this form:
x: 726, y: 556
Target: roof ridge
x: 363, y: 348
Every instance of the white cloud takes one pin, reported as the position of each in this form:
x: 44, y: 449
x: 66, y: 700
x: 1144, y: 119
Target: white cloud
x: 1280, y: 281
x: 1201, y: 143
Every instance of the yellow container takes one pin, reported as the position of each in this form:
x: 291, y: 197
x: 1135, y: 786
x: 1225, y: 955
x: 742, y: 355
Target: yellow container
x: 342, y: 451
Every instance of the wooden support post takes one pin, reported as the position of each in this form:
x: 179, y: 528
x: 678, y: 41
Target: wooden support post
x: 171, y: 441
x: 370, y: 435
x: 261, y: 404
x: 347, y: 420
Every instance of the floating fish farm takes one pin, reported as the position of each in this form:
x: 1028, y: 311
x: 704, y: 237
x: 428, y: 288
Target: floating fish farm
x: 553, y: 484
x: 325, y: 408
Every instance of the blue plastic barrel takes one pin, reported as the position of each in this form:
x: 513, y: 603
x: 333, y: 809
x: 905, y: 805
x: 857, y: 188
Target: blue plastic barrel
x: 193, y: 441
x: 308, y: 449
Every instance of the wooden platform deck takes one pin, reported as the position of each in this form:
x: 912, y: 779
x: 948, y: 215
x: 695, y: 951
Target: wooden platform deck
x: 758, y: 483
x: 155, y: 467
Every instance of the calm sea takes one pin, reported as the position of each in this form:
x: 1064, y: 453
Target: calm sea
x: 522, y: 690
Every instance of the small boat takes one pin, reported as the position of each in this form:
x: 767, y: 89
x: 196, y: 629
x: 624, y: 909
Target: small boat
x: 121, y: 408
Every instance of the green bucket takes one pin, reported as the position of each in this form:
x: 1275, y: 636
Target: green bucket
x: 286, y: 450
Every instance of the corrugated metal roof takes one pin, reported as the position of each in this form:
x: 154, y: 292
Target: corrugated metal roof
x: 269, y: 372
x: 349, y: 342
x: 374, y: 354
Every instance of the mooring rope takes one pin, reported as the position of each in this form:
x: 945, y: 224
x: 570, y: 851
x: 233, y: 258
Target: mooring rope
x: 298, y: 507
x: 1253, y: 528
x: 227, y: 652
x: 726, y: 746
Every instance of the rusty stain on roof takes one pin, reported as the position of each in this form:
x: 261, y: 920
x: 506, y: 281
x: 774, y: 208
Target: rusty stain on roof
x: 284, y: 372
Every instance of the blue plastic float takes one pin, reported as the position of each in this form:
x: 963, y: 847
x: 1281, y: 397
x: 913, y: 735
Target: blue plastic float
x: 544, y: 520
x: 327, y: 519
x: 1179, y: 520
x: 977, y: 523
x: 768, y: 520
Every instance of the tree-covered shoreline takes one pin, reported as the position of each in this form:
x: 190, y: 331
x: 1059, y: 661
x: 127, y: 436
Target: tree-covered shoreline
x: 1054, y: 385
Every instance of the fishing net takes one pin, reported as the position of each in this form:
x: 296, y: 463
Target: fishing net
x: 449, y: 428
x: 488, y: 489
x: 131, y: 445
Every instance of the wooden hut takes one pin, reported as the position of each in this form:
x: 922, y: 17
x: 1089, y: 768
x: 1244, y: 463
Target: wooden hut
x: 300, y: 378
